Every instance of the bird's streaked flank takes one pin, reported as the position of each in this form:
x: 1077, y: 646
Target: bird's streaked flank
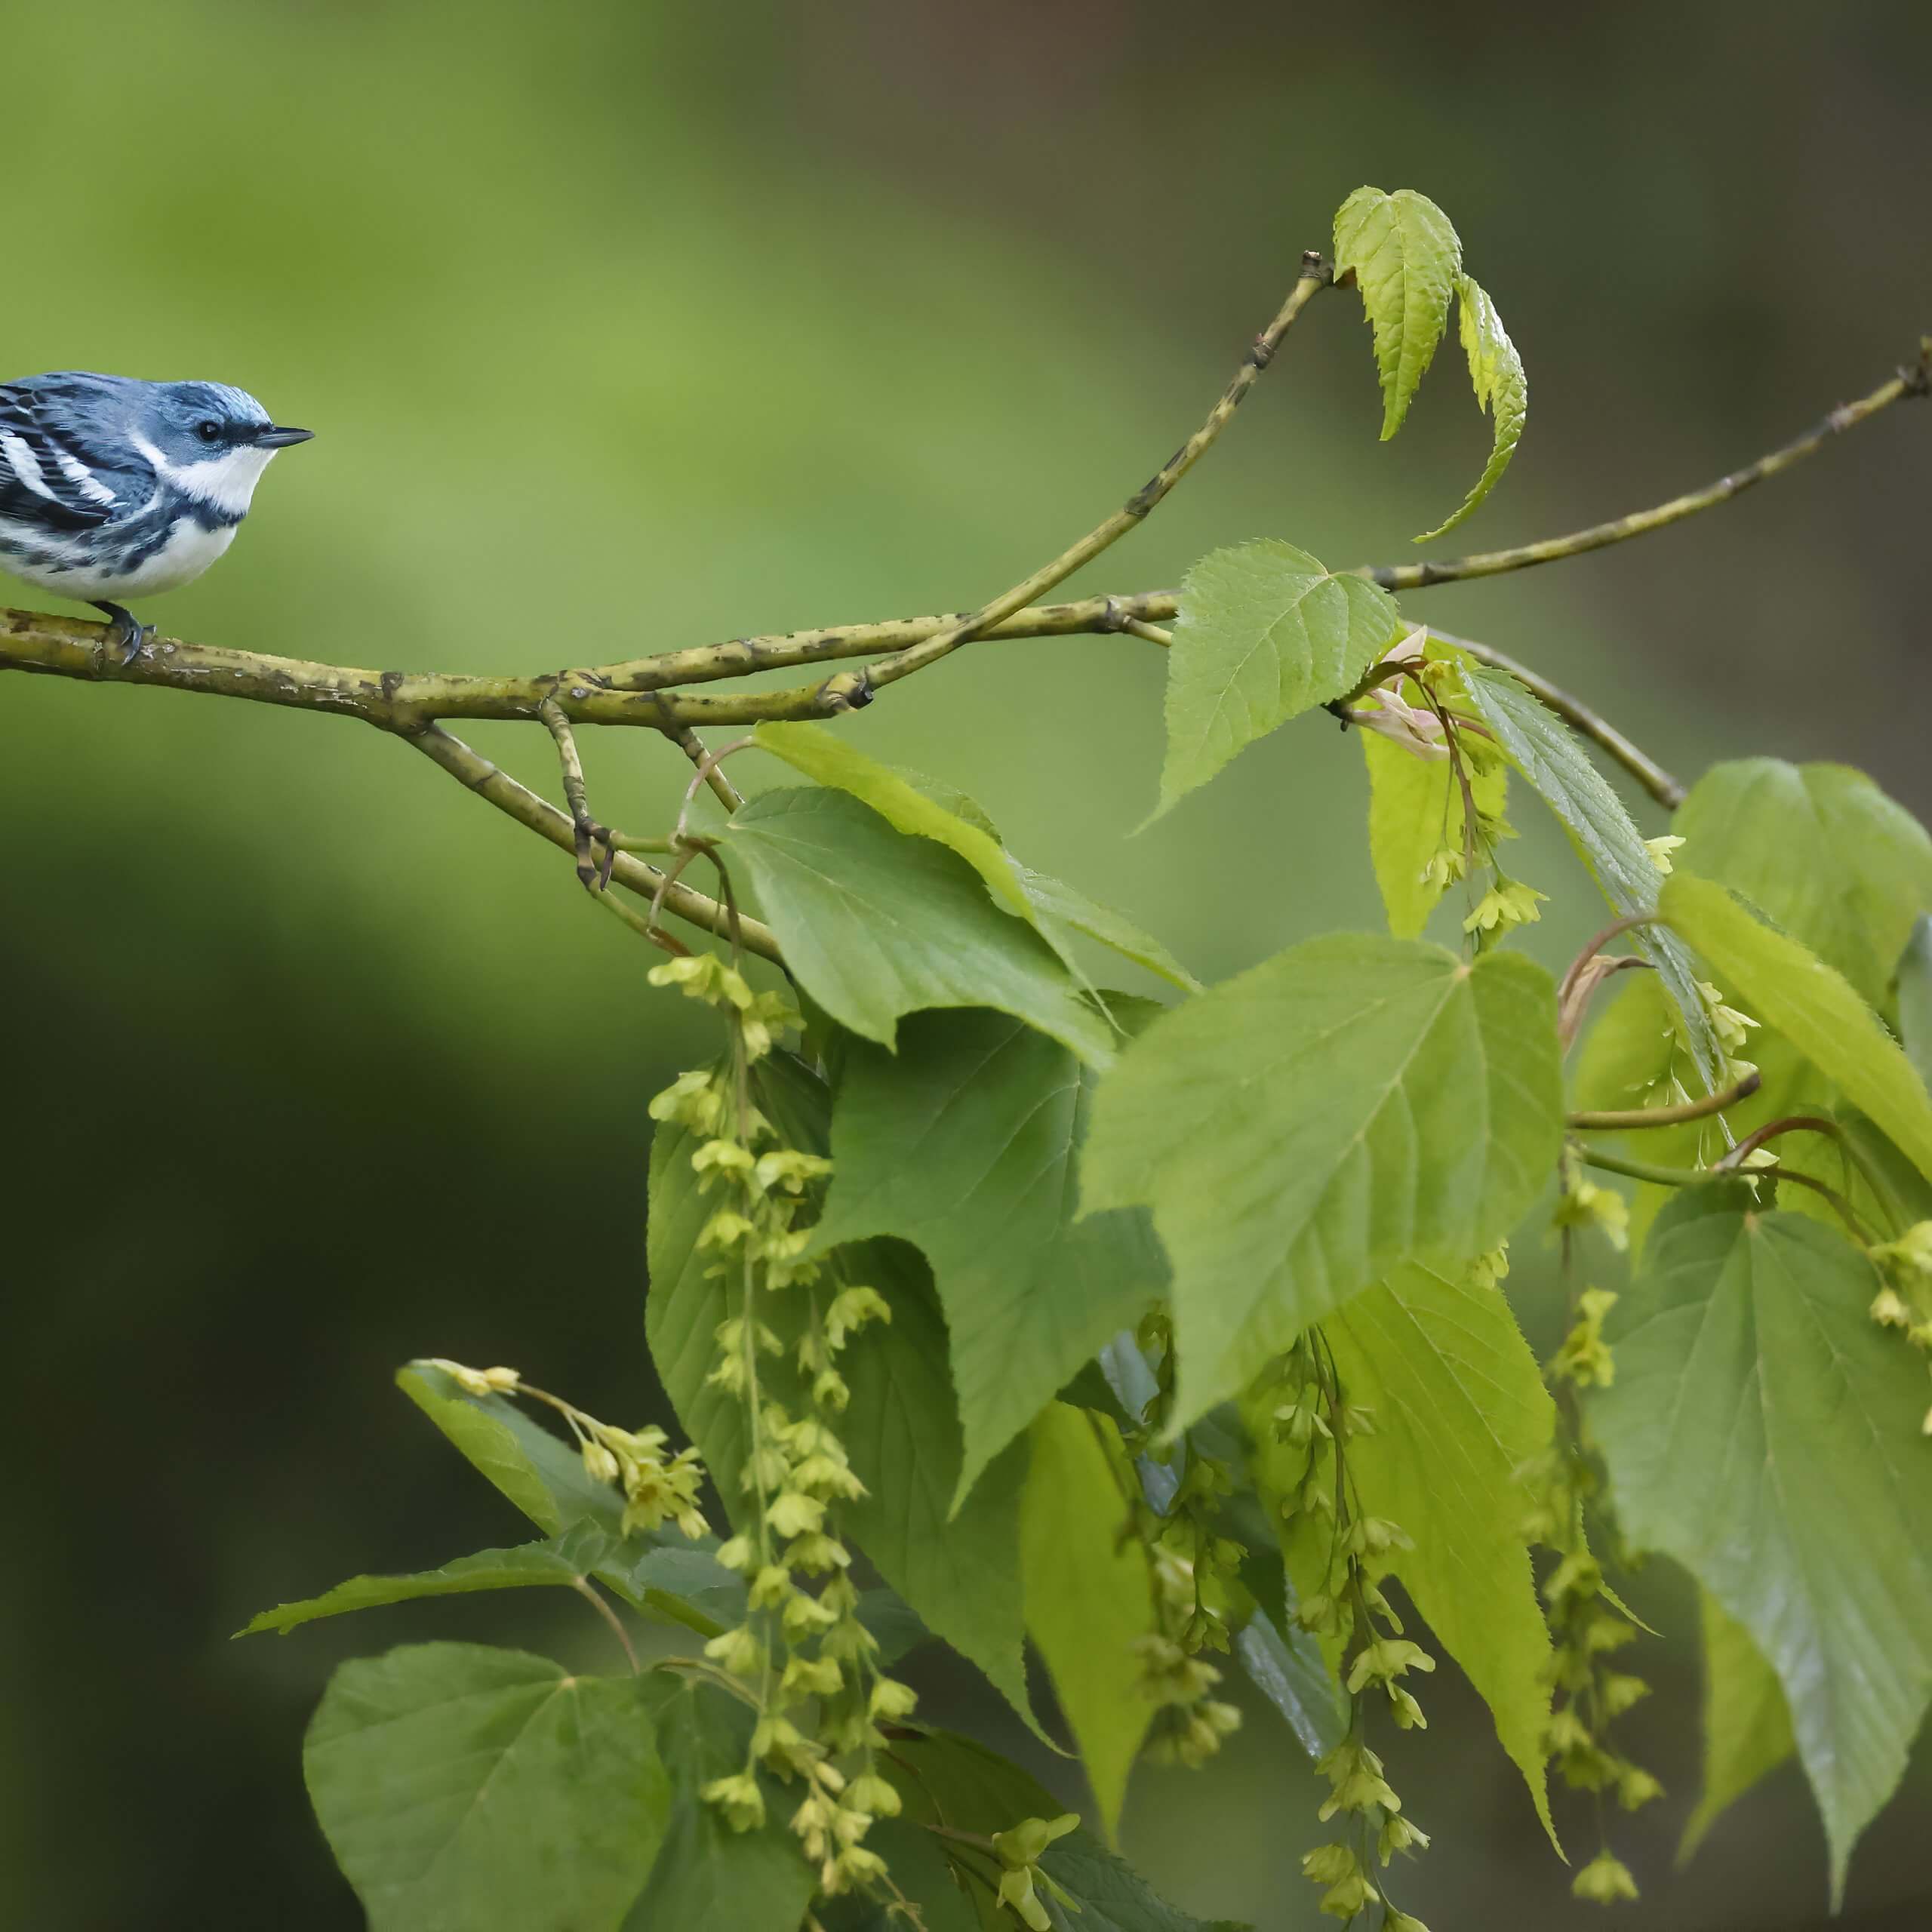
x: 112, y: 489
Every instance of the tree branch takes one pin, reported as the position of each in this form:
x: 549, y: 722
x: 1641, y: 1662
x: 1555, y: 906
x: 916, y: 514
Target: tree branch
x: 1913, y: 379
x: 850, y: 687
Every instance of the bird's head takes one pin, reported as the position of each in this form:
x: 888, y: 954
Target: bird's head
x: 209, y: 441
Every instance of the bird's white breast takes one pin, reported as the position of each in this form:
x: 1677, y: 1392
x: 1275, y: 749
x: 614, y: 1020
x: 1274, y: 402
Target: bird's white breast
x: 188, y: 551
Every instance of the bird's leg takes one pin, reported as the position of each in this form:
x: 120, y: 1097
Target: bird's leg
x: 127, y: 634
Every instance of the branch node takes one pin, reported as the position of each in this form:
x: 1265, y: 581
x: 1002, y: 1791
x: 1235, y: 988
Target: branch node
x: 1112, y: 617
x: 1917, y: 376
x: 849, y: 691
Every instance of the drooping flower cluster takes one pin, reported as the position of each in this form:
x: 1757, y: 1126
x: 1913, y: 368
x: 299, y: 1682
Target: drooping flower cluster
x: 657, y: 1488
x: 1312, y: 1419
x: 1437, y: 725
x: 1586, y: 1628
x: 802, y: 1651
x: 1194, y: 1567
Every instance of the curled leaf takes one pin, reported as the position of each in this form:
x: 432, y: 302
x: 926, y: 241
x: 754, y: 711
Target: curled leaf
x: 1496, y: 374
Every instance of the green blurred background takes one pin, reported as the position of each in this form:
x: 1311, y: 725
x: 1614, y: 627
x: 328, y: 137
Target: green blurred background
x: 630, y: 326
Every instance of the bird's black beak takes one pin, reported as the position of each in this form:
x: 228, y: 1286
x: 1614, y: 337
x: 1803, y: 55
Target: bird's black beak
x: 280, y: 439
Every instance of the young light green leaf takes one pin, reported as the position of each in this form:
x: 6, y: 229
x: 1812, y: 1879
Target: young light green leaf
x: 964, y: 1144
x: 1765, y: 1431
x: 543, y: 1478
x: 706, y: 1874
x: 464, y: 1788
x: 960, y: 1574
x: 1914, y: 998
x: 1088, y: 1593
x: 1266, y: 633
x: 1496, y: 373
x: 1747, y: 1723
x: 1547, y: 753
x: 875, y: 924
x: 927, y: 809
x: 1405, y: 256
x: 1350, y: 1104
x: 1839, y: 866
x: 565, y: 1560
x: 1415, y: 809
x: 1459, y: 1407
x: 1811, y: 1005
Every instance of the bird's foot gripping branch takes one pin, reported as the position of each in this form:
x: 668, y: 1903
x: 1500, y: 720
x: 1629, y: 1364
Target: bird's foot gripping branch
x: 1167, y: 1341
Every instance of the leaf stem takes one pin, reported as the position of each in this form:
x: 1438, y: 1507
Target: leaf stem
x: 594, y: 1596
x: 1621, y: 1119
x: 1649, y: 1170
x: 1888, y: 1202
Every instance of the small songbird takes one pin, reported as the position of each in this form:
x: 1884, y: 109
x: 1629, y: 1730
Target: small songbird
x: 112, y: 488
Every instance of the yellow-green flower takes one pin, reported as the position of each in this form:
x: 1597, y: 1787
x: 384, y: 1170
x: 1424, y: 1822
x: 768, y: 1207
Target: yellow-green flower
x: 1506, y: 903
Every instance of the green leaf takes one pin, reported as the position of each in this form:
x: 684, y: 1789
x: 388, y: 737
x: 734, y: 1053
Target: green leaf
x: 925, y: 808
x: 1406, y: 257
x: 901, y: 1430
x: 1266, y: 633
x: 875, y: 924
x: 565, y: 1560
x: 1088, y: 1593
x: 1747, y: 1723
x: 1415, y: 809
x: 1290, y: 1674
x: 1060, y: 909
x: 1547, y: 752
x: 1765, y: 1431
x: 1352, y: 1103
x: 464, y: 1788
x: 545, y: 1479
x: 1840, y: 867
x: 963, y: 1142
x: 706, y: 1874
x: 946, y: 1778
x: 1496, y: 373
x: 1811, y: 1005
x: 1914, y: 998
x: 1459, y: 1407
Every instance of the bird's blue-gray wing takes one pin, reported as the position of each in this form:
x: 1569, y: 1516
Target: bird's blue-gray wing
x: 60, y: 467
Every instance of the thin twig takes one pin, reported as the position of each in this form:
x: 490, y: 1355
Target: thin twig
x: 854, y: 688
x: 1913, y: 379
x: 588, y: 832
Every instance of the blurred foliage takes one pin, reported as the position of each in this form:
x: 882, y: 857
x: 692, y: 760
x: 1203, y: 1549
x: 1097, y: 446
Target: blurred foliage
x: 628, y: 327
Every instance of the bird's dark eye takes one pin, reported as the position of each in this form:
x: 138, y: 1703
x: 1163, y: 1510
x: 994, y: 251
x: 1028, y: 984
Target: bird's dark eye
x: 209, y: 431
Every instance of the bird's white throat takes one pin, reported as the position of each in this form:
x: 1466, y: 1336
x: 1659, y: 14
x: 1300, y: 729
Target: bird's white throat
x: 225, y: 482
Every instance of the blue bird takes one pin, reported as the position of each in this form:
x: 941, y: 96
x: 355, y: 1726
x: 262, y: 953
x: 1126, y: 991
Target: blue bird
x: 113, y: 488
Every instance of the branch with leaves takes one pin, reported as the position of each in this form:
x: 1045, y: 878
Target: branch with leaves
x: 1182, y: 1347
